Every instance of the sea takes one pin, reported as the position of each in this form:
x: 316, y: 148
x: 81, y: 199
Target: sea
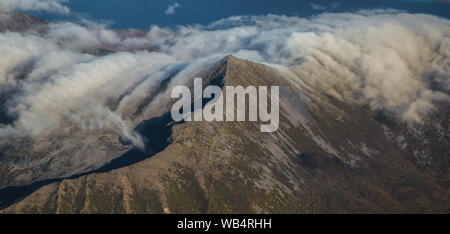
x: 141, y: 14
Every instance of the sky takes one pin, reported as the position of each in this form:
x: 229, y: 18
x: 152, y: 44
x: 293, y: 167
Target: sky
x: 141, y: 14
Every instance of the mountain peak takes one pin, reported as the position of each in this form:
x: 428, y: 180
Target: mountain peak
x: 325, y: 154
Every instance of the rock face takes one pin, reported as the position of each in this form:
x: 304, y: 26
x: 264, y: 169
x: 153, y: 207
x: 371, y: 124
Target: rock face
x: 328, y: 156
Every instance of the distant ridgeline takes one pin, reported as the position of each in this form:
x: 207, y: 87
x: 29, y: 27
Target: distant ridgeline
x: 18, y: 21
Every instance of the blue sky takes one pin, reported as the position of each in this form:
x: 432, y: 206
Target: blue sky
x: 143, y: 13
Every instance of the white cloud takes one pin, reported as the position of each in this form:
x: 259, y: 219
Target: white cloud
x: 387, y: 60
x: 171, y: 9
x: 317, y: 7
x: 34, y: 5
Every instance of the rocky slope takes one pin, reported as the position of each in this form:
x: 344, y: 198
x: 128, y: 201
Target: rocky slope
x: 328, y: 156
x: 67, y: 153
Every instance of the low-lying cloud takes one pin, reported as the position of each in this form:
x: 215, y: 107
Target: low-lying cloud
x: 384, y: 59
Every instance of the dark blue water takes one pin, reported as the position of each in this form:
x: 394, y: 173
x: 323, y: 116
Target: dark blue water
x: 143, y: 13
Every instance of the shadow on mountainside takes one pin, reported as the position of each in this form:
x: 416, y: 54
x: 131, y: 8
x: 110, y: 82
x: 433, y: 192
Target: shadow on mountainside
x: 155, y: 131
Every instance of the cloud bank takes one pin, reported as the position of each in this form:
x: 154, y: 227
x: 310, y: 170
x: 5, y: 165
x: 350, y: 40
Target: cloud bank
x: 54, y: 82
x: 35, y: 5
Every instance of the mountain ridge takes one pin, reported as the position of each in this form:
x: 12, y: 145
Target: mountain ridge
x: 327, y: 157
x: 12, y: 21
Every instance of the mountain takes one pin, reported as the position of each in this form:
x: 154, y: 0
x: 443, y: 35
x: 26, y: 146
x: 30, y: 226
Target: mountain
x: 67, y: 153
x: 328, y: 156
x: 18, y: 22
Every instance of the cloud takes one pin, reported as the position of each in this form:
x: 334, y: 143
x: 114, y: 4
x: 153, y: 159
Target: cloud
x: 171, y: 9
x: 35, y: 5
x: 317, y: 7
x: 378, y: 58
x: 55, y: 84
